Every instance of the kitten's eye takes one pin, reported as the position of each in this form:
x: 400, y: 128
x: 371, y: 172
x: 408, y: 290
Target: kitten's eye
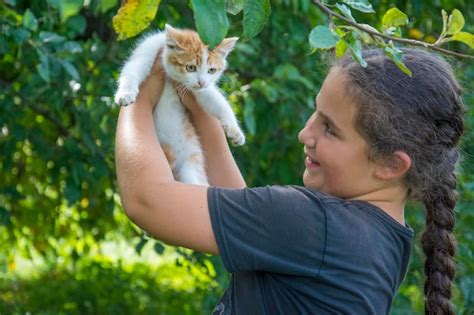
x: 191, y: 68
x: 212, y: 70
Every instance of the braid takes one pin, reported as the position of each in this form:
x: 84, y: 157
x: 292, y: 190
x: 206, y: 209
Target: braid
x: 438, y: 241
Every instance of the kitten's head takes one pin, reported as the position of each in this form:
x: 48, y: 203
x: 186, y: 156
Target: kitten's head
x: 187, y: 60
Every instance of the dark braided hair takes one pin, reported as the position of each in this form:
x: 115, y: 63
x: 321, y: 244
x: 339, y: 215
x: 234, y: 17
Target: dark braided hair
x: 422, y: 116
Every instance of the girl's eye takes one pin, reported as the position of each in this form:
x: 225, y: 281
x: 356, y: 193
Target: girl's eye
x: 190, y: 68
x: 328, y: 130
x: 212, y: 70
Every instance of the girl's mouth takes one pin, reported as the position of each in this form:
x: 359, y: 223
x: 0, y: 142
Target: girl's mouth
x: 310, y: 163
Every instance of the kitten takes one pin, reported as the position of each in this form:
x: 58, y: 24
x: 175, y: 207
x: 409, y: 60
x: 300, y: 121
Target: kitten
x: 188, y: 61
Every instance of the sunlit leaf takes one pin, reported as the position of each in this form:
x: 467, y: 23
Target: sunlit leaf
x: 355, y: 47
x: 445, y: 21
x: 211, y: 21
x: 106, y: 5
x: 68, y: 8
x: 393, y: 18
x: 464, y: 37
x: 360, y: 5
x: 134, y: 16
x: 346, y: 11
x: 455, y: 22
x: 396, y: 56
x: 321, y: 37
x: 341, y: 48
x: 29, y: 21
x: 256, y: 14
x: 234, y: 6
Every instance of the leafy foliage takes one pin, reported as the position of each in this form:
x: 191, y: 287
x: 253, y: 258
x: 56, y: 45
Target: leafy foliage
x: 58, y: 198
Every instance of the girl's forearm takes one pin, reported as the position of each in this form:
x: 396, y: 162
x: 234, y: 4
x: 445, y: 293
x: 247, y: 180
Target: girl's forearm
x: 140, y: 161
x: 221, y: 168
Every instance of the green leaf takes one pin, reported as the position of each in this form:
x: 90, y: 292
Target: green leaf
x: 234, y: 6
x: 360, y: 5
x: 445, y: 22
x: 355, y: 48
x: 321, y: 37
x: 43, y: 67
x: 69, y: 67
x: 395, y: 55
x: 68, y: 8
x: 159, y: 248
x: 133, y: 17
x: 455, y: 22
x: 49, y: 37
x: 256, y: 14
x: 20, y: 35
x: 211, y: 21
x: 29, y: 21
x: 72, y: 47
x: 346, y: 11
x: 77, y: 24
x: 366, y: 37
x: 393, y: 31
x: 393, y: 18
x: 464, y: 37
x: 249, y: 116
x: 140, y: 245
x: 341, y: 48
x: 106, y: 5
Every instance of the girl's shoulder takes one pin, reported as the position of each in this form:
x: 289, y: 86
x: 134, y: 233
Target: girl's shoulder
x: 352, y: 212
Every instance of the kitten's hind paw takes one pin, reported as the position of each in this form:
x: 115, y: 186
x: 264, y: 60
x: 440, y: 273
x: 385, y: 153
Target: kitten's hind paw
x: 125, y: 98
x: 235, y: 135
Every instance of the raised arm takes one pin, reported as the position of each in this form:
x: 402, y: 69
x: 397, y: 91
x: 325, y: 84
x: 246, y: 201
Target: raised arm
x: 173, y: 212
x: 221, y: 168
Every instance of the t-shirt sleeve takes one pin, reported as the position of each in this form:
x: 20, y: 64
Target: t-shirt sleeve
x: 274, y: 228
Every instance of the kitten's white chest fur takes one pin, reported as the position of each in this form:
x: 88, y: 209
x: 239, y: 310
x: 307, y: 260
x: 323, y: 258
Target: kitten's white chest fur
x: 175, y: 132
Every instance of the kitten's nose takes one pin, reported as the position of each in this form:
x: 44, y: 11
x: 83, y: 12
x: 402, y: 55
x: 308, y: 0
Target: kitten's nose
x: 201, y: 83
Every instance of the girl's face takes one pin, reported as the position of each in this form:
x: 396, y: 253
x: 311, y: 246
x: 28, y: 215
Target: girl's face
x: 336, y: 155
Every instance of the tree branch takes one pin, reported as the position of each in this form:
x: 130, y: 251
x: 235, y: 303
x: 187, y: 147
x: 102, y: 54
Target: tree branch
x: 411, y: 42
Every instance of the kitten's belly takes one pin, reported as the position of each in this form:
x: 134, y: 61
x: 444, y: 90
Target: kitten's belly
x: 170, y: 119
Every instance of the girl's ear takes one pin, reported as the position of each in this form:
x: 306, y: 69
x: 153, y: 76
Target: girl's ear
x: 396, y: 168
x: 171, y: 38
x: 226, y: 46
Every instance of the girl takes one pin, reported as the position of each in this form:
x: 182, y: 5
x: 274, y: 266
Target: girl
x: 339, y: 245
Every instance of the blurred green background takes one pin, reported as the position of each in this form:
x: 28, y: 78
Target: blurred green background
x: 65, y: 245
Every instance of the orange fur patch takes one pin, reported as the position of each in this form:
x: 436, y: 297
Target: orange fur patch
x: 196, y: 159
x: 170, y: 155
x: 188, y: 126
x: 192, y: 47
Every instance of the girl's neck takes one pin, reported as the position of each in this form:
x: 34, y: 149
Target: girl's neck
x: 390, y: 199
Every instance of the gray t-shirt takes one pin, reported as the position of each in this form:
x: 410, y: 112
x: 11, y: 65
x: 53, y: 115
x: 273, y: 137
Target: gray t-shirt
x: 295, y: 250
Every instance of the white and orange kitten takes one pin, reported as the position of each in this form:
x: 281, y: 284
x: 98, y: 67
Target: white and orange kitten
x: 188, y: 61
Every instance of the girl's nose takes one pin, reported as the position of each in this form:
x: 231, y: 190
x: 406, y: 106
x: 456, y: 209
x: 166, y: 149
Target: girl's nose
x: 306, y: 136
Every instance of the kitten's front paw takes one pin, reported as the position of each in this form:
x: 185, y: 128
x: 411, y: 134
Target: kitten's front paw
x: 235, y: 135
x: 125, y: 98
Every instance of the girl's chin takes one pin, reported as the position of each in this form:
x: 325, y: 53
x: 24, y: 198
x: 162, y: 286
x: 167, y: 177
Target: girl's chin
x: 310, y: 181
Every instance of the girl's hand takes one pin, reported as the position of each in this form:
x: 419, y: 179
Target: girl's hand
x: 187, y: 98
x: 152, y: 87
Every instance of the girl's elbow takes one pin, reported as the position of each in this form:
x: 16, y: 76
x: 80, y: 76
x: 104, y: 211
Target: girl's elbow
x: 134, y: 207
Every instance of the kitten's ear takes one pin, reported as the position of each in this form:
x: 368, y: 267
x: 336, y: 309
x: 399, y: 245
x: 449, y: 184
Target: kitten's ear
x: 171, y: 35
x: 227, y: 45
